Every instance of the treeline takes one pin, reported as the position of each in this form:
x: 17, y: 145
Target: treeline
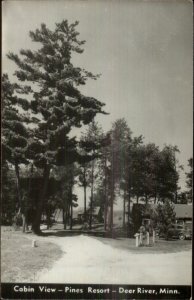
x: 41, y: 160
x: 125, y: 167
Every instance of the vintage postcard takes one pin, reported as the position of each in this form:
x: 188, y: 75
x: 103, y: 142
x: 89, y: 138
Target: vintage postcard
x: 97, y: 166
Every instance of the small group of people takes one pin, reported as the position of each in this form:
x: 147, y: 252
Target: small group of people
x: 145, y: 232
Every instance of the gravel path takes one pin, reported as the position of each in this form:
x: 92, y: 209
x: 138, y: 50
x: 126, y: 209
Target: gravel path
x: 87, y: 260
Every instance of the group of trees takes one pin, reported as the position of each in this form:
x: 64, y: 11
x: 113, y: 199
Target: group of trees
x: 37, y: 126
x: 125, y: 167
x: 40, y: 111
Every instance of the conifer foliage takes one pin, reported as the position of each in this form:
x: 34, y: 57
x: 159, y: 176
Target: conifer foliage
x: 41, y: 110
x: 14, y: 131
x: 56, y: 102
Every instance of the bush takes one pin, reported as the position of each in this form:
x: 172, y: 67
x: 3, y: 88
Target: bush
x: 163, y: 217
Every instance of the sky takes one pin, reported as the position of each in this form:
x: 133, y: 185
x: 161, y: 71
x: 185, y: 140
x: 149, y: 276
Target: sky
x: 143, y: 51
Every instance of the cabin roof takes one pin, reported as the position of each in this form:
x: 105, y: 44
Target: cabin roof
x: 96, y: 210
x: 183, y: 210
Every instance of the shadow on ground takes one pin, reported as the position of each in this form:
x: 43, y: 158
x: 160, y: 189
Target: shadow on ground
x: 161, y: 245
x: 64, y: 233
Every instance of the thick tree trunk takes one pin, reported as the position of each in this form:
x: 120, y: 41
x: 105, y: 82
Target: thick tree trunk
x: 137, y: 199
x: 23, y: 213
x: 37, y: 219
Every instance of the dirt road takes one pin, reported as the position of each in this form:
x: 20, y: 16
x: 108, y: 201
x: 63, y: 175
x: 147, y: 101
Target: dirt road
x: 87, y: 260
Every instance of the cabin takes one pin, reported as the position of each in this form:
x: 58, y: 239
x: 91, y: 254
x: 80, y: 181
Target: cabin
x: 141, y: 214
x: 96, y: 214
x: 184, y: 214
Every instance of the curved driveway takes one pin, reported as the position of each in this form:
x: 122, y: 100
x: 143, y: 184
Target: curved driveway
x: 88, y: 260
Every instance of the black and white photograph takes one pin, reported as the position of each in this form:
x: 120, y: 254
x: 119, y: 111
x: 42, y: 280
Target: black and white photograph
x: 97, y: 149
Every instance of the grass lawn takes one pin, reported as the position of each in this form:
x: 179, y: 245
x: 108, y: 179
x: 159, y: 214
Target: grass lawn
x: 19, y: 260
x: 161, y: 246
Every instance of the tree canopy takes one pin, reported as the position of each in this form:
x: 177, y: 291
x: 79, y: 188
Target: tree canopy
x: 55, y: 101
x: 40, y: 111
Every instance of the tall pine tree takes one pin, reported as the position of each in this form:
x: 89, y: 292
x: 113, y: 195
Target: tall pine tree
x: 56, y: 98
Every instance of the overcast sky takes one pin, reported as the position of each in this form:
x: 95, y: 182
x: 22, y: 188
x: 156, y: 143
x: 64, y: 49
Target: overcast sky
x: 143, y: 49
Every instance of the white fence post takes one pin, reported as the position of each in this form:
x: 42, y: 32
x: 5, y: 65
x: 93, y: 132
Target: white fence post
x: 137, y: 240
x: 34, y: 243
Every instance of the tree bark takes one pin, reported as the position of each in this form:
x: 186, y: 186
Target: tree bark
x: 111, y: 204
x: 37, y: 219
x: 111, y: 211
x: 24, y: 223
x: 124, y: 212
x: 67, y: 216
x: 84, y: 202
x: 129, y: 207
x: 23, y: 213
x: 92, y: 194
x: 129, y: 210
x: 105, y: 215
x: 85, y: 193
x: 64, y: 218
x: 71, y: 215
x: 18, y: 185
x: 112, y: 193
x: 71, y: 209
x: 105, y: 194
